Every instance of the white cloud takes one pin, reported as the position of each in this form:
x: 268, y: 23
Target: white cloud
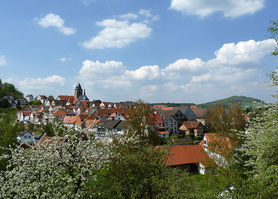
x: 230, y: 8
x: 128, y: 16
x: 144, y: 72
x: 3, y: 61
x: 248, y: 51
x: 52, y: 20
x: 186, y: 65
x: 120, y: 31
x: 64, y: 59
x: 233, y: 70
x: 42, y: 85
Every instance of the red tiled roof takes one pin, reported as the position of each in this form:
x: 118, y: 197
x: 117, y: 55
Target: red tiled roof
x: 156, y: 118
x: 191, y: 124
x: 219, y: 144
x: 158, y: 106
x: 168, y: 108
x: 187, y: 154
x: 162, y: 132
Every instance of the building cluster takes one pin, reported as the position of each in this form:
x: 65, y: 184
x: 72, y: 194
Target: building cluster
x: 107, y: 120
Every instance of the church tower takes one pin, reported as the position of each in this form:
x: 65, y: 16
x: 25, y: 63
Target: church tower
x: 78, y: 91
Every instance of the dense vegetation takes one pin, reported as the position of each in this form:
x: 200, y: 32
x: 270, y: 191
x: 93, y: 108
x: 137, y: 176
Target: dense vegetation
x: 242, y: 100
x: 7, y: 89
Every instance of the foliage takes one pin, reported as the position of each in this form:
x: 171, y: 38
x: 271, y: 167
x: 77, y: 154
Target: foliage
x: 8, y: 133
x: 138, y: 170
x: 61, y: 167
x: 50, y: 97
x: 225, y: 121
x: 36, y: 102
x: 242, y: 100
x: 7, y: 89
x: 273, y: 30
x: 140, y: 123
x: 4, y: 103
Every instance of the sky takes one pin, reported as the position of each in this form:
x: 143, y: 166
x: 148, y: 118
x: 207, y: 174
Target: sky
x: 191, y: 51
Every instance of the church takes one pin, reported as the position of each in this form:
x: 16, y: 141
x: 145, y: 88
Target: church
x: 79, y: 94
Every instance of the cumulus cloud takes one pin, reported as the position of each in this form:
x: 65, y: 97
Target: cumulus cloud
x: 248, y: 51
x: 229, y: 8
x: 3, y: 61
x: 121, y: 31
x: 52, y: 20
x: 144, y: 72
x: 234, y: 70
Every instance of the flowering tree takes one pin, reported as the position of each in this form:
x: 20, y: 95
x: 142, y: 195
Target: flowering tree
x: 54, y: 167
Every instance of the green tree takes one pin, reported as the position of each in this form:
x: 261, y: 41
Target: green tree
x: 138, y: 170
x: 7, y: 89
x: 9, y: 130
x: 36, y: 102
x: 225, y: 120
x: 141, y: 124
x: 51, y: 97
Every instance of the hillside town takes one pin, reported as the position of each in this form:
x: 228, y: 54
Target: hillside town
x: 106, y: 120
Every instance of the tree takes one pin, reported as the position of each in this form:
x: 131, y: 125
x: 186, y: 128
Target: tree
x: 50, y: 97
x: 9, y: 130
x: 138, y: 170
x: 36, y: 102
x: 60, y: 167
x: 140, y: 123
x: 225, y: 121
x: 7, y: 89
x: 4, y: 103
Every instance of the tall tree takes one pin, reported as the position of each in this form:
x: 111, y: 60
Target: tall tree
x: 141, y: 124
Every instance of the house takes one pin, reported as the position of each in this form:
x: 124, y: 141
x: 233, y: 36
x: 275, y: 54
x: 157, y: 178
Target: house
x: 169, y: 121
x: 30, y: 98
x: 107, y: 128
x: 26, y: 137
x: 192, y: 158
x: 159, y: 125
x: 70, y: 99
x: 42, y: 98
x: 195, y: 128
x: 201, y: 114
x: 218, y: 147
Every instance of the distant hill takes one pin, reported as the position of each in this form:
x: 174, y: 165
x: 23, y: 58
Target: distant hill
x: 173, y: 104
x: 7, y: 89
x: 244, y: 101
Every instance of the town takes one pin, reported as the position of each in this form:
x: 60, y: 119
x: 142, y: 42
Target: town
x: 107, y: 120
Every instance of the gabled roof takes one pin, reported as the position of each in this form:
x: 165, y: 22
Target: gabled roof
x: 187, y: 154
x: 200, y: 113
x: 219, y: 144
x: 191, y: 124
x: 156, y: 118
x: 108, y: 124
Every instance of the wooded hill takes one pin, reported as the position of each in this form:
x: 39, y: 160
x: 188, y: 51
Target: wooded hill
x: 242, y: 100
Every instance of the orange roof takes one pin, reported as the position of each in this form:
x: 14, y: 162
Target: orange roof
x: 156, y: 118
x: 219, y: 144
x: 163, y: 132
x: 187, y: 154
x: 168, y: 108
x: 194, y: 107
x: 158, y: 106
x: 191, y: 124
x: 58, y: 113
x: 45, y: 140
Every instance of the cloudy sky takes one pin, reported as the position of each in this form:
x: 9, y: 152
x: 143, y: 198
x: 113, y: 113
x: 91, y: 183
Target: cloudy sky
x: 156, y: 50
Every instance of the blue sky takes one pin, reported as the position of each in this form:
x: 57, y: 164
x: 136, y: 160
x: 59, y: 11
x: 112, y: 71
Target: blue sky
x: 159, y: 51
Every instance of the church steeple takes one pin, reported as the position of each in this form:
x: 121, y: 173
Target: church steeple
x: 78, y: 90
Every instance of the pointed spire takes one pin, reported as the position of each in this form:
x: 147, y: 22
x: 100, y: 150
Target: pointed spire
x: 84, y: 92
